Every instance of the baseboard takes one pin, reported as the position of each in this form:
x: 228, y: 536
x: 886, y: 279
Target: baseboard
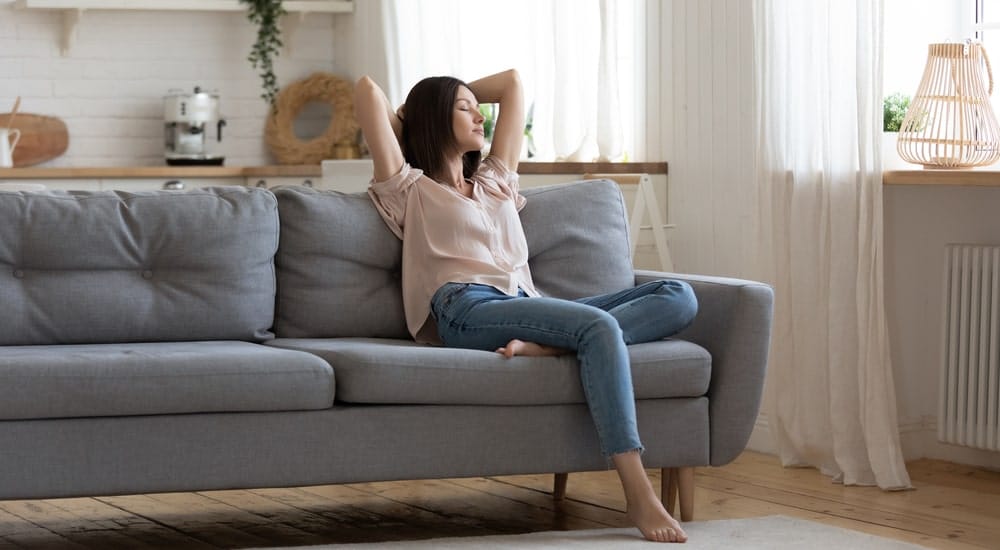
x: 760, y: 438
x: 917, y: 437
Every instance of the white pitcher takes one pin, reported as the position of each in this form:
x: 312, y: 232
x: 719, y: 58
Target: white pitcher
x: 7, y: 146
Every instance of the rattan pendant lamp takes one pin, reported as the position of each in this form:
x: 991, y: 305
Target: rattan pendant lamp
x: 950, y: 122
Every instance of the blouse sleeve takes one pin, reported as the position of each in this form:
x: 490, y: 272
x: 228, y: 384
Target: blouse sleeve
x: 390, y: 197
x: 494, y: 173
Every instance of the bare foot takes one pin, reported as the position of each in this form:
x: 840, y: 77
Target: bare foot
x: 653, y: 521
x: 643, y: 507
x: 520, y: 347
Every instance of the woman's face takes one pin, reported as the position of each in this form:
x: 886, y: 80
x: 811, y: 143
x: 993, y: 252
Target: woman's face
x: 467, y: 122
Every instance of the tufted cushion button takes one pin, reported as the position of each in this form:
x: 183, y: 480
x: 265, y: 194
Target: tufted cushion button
x: 19, y: 273
x: 147, y: 274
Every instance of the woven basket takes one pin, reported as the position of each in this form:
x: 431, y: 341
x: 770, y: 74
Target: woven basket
x: 950, y: 122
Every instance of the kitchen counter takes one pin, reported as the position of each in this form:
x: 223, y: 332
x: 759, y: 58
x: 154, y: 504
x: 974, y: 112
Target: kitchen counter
x: 311, y: 170
x: 988, y: 176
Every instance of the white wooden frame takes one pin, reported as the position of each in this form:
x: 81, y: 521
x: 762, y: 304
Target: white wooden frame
x: 644, y: 202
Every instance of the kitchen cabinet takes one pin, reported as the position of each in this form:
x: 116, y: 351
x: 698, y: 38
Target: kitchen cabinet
x: 270, y: 182
x: 168, y: 184
x: 150, y: 178
x: 73, y: 10
x: 347, y: 176
x: 127, y: 184
x: 61, y: 184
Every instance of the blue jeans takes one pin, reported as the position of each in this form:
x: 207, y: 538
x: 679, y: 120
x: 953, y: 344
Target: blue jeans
x: 598, y: 328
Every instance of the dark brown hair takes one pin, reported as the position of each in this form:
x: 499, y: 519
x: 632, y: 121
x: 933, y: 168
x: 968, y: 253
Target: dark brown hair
x: 428, y: 134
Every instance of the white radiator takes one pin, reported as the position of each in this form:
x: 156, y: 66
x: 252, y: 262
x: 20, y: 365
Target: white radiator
x: 969, y: 403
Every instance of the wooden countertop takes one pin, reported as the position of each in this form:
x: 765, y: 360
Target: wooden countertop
x: 159, y: 172
x: 977, y: 177
x: 311, y: 170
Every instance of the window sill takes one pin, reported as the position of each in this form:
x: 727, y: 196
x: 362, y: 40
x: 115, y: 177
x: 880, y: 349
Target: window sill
x: 980, y: 177
x: 528, y: 167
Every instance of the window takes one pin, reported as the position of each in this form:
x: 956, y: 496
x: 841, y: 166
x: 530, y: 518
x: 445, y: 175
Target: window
x: 987, y: 20
x: 556, y: 45
x: 908, y: 27
x: 986, y: 28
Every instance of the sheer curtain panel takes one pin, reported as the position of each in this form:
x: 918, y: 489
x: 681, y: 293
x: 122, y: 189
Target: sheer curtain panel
x: 830, y: 397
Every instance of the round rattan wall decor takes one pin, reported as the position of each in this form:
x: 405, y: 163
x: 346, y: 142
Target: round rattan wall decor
x: 279, y: 132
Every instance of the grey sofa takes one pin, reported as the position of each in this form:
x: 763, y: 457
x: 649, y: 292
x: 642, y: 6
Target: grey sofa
x: 234, y: 338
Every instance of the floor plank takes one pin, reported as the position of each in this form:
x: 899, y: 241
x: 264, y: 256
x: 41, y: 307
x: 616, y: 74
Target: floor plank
x: 956, y: 476
x: 361, y: 516
x: 194, y: 515
x: 956, y: 513
x: 952, y: 507
x: 77, y: 529
x: 466, y: 506
x: 541, y: 498
x: 140, y: 531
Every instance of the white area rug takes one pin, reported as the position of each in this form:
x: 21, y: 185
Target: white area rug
x: 764, y: 533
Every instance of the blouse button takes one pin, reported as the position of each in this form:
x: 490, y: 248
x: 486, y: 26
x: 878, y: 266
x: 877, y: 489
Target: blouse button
x: 19, y: 273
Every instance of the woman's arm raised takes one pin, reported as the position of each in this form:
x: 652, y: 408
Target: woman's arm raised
x: 381, y: 127
x: 504, y: 88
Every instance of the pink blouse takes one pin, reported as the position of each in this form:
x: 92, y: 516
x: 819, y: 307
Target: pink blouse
x: 448, y: 237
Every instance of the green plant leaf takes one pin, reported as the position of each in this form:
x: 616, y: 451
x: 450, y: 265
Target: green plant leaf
x: 266, y: 15
x: 893, y: 111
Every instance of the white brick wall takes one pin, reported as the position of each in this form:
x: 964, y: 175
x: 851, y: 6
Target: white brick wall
x: 109, y: 88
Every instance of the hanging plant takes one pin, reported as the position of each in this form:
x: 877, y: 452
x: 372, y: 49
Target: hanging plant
x: 266, y: 14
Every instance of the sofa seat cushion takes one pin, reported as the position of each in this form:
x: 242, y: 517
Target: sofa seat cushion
x: 159, y: 378
x: 403, y: 372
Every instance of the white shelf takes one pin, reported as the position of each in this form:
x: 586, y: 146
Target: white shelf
x: 312, y: 6
x: 73, y: 9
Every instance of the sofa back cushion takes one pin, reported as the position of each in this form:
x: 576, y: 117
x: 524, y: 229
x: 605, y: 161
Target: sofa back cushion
x: 577, y: 239
x: 339, y: 265
x: 109, y: 266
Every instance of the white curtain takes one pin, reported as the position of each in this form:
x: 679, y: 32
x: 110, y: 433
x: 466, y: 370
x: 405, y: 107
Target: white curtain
x: 830, y: 396
x: 565, y: 51
x: 368, y: 37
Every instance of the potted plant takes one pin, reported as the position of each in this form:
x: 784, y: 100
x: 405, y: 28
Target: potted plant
x: 893, y: 111
x: 266, y: 15
x: 488, y: 110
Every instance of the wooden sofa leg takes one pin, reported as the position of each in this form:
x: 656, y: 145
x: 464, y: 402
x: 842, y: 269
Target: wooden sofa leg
x: 677, y: 484
x: 559, y: 486
x: 685, y: 487
x: 668, y: 488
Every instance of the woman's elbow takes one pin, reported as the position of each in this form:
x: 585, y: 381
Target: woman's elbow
x: 365, y: 92
x: 513, y: 77
x: 364, y: 83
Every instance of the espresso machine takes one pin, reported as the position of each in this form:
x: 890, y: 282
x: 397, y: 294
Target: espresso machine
x: 189, y: 119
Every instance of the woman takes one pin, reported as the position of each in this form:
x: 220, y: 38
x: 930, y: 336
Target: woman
x: 466, y: 281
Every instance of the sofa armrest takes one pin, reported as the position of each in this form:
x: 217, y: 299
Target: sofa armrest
x: 734, y: 325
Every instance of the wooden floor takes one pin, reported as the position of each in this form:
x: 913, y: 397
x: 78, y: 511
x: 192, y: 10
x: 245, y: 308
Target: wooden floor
x: 952, y: 507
